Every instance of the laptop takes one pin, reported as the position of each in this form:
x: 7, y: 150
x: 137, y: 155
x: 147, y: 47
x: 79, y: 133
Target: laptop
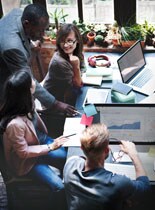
x: 134, y: 72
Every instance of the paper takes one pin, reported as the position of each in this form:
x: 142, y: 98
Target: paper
x: 86, y: 120
x: 96, y: 95
x: 72, y: 125
x: 99, y: 71
x: 90, y: 110
x: 73, y: 141
x: 96, y: 80
x: 122, y: 169
x: 151, y: 152
x: 148, y: 100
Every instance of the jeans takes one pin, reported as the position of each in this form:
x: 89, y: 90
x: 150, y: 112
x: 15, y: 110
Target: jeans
x: 43, y: 172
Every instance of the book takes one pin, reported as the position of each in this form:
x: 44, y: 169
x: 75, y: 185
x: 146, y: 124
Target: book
x: 99, y: 71
x: 93, y: 80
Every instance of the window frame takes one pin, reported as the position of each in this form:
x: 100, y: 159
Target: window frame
x: 123, y: 10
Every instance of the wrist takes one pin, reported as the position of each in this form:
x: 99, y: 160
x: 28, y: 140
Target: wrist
x: 50, y: 147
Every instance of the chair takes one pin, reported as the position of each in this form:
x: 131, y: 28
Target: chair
x: 25, y: 193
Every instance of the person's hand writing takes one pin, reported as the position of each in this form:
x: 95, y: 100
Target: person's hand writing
x: 58, y: 142
x: 63, y: 107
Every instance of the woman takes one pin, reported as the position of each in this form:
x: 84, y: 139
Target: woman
x: 63, y: 79
x: 28, y: 149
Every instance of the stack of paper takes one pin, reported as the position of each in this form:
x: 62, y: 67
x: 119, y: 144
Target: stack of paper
x: 95, y: 76
x: 97, y: 80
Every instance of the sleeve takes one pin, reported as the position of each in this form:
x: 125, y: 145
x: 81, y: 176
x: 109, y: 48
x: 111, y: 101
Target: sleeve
x: 60, y: 70
x: 16, y: 60
x: 16, y: 134
x: 128, y: 188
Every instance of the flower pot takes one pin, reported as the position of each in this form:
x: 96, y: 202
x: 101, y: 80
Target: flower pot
x: 91, y: 35
x: 130, y: 43
x: 53, y: 41
x: 127, y: 43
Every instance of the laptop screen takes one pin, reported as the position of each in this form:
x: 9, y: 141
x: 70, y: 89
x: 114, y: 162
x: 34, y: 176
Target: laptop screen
x: 133, y: 122
x: 131, y: 62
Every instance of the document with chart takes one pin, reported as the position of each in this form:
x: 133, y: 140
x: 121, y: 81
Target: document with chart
x: 134, y: 123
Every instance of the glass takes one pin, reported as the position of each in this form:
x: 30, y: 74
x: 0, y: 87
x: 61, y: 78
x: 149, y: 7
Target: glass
x: 69, y: 7
x: 97, y: 11
x: 69, y: 42
x: 145, y: 11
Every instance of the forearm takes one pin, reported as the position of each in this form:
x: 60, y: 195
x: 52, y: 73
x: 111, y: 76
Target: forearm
x: 77, y: 80
x: 44, y: 96
x: 138, y: 165
x: 130, y: 149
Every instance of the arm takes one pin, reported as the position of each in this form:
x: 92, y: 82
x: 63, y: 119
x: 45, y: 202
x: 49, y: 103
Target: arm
x: 24, y: 143
x: 130, y: 149
x: 16, y: 60
x: 77, y: 80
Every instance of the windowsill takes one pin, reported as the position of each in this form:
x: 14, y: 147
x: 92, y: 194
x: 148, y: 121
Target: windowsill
x: 95, y: 48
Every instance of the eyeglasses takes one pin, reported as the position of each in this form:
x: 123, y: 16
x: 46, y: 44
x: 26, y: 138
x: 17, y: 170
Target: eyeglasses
x: 69, y: 42
x: 118, y: 157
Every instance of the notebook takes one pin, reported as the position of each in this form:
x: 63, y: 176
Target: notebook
x: 133, y: 70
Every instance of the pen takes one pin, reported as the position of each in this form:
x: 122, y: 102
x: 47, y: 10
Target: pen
x: 78, y: 112
x: 70, y: 135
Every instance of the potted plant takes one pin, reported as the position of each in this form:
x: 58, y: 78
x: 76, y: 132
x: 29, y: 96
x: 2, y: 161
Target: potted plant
x: 59, y: 17
x: 149, y: 31
x: 83, y: 30
x: 130, y: 34
x: 114, y: 34
x: 91, y: 37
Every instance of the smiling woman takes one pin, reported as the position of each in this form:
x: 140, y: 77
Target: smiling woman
x: 63, y: 79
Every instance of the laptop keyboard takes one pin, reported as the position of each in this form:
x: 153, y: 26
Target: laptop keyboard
x: 143, y: 78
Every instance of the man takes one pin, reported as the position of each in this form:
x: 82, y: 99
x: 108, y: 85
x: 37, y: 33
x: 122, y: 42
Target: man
x: 17, y: 30
x: 89, y: 186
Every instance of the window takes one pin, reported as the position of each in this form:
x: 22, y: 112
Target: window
x: 100, y: 11
x: 145, y: 11
x: 69, y: 7
x: 93, y: 10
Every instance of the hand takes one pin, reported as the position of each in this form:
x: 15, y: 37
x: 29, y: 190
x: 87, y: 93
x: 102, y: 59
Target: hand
x: 63, y: 107
x: 58, y: 142
x: 74, y: 60
x: 128, y: 148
